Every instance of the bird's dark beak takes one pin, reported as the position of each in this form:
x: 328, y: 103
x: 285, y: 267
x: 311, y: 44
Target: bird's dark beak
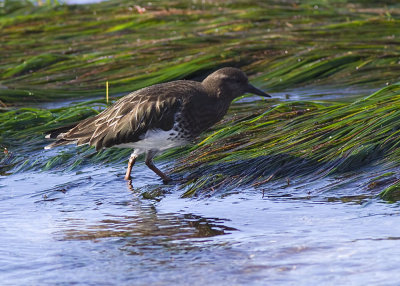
x: 252, y: 89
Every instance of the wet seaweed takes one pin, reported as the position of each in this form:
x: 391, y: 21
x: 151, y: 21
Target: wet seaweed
x: 50, y: 54
x: 297, y: 139
x: 391, y: 193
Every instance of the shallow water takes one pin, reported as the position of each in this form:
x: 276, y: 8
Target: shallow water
x: 300, y: 93
x: 323, y: 93
x: 81, y: 2
x: 89, y: 228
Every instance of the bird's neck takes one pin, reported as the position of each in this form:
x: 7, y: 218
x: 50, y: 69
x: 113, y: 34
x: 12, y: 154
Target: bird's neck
x: 217, y: 91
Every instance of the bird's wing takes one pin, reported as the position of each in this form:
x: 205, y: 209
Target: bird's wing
x: 126, y: 120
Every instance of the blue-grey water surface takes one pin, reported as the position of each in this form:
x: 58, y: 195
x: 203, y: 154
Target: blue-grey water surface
x: 89, y: 228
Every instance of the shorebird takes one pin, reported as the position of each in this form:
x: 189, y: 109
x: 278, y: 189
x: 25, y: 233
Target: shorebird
x: 156, y: 118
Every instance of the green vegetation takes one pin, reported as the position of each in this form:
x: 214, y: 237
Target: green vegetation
x: 57, y: 51
x: 298, y: 138
x: 53, y: 51
x: 391, y: 193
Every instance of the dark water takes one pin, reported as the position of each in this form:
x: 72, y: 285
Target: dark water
x: 81, y: 2
x: 319, y: 93
x: 61, y: 228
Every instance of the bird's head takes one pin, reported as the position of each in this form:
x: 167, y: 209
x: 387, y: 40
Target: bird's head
x: 230, y: 83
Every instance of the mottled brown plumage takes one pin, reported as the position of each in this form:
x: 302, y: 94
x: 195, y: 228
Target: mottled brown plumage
x: 158, y: 117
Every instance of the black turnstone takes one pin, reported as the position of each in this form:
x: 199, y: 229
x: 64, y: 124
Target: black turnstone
x: 159, y: 117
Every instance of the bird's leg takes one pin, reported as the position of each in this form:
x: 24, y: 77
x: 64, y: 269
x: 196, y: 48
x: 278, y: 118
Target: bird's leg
x: 129, y: 184
x: 149, y: 163
x: 131, y: 162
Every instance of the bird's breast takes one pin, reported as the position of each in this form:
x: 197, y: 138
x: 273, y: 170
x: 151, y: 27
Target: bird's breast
x: 196, y: 118
x: 156, y: 140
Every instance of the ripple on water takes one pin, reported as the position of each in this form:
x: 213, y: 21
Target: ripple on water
x: 85, y: 229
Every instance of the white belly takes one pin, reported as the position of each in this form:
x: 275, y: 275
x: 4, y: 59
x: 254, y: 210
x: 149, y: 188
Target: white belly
x: 155, y: 140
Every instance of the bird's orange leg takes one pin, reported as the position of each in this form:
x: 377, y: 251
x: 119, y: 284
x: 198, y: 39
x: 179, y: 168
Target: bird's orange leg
x: 150, y: 164
x: 131, y: 162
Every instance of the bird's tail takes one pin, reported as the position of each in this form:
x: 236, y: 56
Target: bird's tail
x: 59, y: 142
x: 55, y: 134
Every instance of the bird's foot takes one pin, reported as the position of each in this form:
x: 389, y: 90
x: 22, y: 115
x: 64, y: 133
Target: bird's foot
x: 166, y: 179
x: 129, y: 184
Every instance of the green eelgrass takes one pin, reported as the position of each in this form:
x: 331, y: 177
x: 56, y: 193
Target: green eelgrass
x: 391, y: 193
x: 257, y: 142
x: 297, y: 139
x: 52, y: 52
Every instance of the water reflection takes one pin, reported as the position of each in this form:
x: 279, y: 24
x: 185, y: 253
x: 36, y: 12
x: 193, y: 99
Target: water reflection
x: 161, y: 227
x: 83, y: 229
